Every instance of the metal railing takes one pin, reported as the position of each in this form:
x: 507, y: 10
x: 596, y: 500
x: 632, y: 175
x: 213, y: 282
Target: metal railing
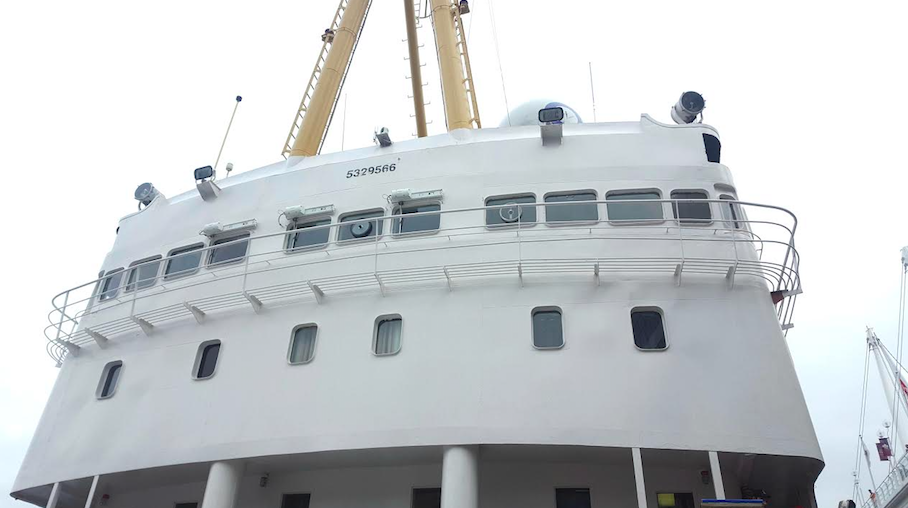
x: 739, y: 239
x: 894, y: 483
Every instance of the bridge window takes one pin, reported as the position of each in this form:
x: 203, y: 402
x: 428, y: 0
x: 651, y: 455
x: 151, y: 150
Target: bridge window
x: 572, y: 498
x: 228, y: 250
x: 110, y: 286
x: 510, y: 211
x: 426, y: 498
x: 713, y: 147
x: 206, y: 359
x: 109, y: 377
x: 295, y: 501
x: 186, y: 505
x: 731, y: 212
x: 548, y: 332
x: 425, y: 221
x: 649, y: 332
x: 629, y: 211
x: 143, y: 273
x: 309, y: 234
x: 302, y: 344
x: 386, y: 340
x: 688, y: 210
x: 183, y: 261
x: 356, y: 226
x: 571, y: 207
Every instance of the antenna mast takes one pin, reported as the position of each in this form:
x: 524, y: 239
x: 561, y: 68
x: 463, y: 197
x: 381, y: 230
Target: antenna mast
x: 238, y: 99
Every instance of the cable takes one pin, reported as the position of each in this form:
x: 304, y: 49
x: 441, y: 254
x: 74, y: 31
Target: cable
x: 900, y: 336
x: 504, y: 90
x: 857, y: 458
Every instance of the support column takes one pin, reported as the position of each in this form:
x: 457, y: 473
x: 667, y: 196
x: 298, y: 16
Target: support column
x: 91, y: 492
x: 223, y: 484
x: 54, y: 496
x: 459, y: 477
x: 716, y: 473
x: 638, y: 477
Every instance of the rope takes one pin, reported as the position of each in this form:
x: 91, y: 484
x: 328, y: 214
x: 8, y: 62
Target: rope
x: 900, y: 334
x: 860, y: 449
x: 498, y: 55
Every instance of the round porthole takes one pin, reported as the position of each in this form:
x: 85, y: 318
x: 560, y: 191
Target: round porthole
x: 511, y: 212
x: 361, y: 229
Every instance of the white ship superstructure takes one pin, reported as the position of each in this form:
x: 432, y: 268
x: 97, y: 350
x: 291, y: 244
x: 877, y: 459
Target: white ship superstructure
x: 554, y: 316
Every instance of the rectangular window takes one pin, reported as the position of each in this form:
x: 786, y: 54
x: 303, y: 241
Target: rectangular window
x: 649, y: 332
x: 207, y: 359
x: 110, y: 286
x: 309, y: 234
x: 426, y: 498
x: 387, y: 335
x: 302, y: 344
x: 109, y: 377
x: 186, y: 505
x: 295, y: 501
x: 508, y: 211
x: 424, y: 222
x: 228, y: 250
x: 675, y: 500
x: 183, y: 261
x: 548, y: 332
x: 688, y: 210
x: 629, y: 211
x: 572, y: 498
x: 731, y: 212
x: 143, y: 274
x: 571, y: 207
x: 356, y: 226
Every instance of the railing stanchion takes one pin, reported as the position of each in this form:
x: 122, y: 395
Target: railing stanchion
x: 62, y: 316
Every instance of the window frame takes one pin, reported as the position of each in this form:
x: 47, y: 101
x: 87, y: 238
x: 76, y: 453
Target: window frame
x: 535, y: 206
x: 103, y: 295
x: 196, y: 503
x: 185, y: 249
x: 691, y: 222
x: 297, y: 224
x: 293, y: 341
x: 561, y: 223
x: 105, y: 374
x: 658, y: 310
x: 214, y: 242
x: 375, y: 328
x: 397, y: 209
x: 589, y: 492
x: 133, y: 268
x: 285, y: 494
x: 546, y: 308
x: 633, y: 222
x: 200, y: 351
x: 737, y: 215
x: 379, y: 220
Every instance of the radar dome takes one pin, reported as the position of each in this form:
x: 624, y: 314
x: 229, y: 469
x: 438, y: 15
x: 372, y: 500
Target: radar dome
x: 528, y: 113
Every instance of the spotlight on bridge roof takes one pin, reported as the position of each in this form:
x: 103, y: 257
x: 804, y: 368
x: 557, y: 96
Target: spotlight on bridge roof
x: 382, y: 137
x: 204, y: 173
x: 688, y: 107
x: 145, y: 193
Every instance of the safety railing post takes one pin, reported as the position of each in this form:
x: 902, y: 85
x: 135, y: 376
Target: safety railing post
x: 62, y: 316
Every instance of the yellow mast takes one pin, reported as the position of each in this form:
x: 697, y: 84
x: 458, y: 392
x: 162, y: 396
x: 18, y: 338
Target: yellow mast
x: 331, y: 76
x: 452, y: 58
x: 415, y: 72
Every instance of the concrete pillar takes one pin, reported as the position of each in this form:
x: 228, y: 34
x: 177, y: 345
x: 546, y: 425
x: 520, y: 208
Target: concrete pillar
x: 716, y: 473
x: 638, y: 477
x: 54, y: 496
x: 223, y: 484
x: 459, y: 477
x: 91, y: 492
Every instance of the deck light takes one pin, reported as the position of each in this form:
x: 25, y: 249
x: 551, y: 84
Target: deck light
x: 204, y: 173
x: 145, y: 193
x: 382, y: 137
x: 687, y: 108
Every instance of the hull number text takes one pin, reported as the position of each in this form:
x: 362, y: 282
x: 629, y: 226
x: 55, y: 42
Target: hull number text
x: 371, y: 170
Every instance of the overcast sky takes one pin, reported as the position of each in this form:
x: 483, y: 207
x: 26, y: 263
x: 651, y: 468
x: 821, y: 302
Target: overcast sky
x: 809, y: 97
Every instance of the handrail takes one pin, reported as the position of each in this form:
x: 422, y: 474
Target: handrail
x: 895, y: 483
x: 467, y: 230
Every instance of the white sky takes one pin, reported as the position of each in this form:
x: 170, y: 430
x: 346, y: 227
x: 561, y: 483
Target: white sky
x: 98, y: 97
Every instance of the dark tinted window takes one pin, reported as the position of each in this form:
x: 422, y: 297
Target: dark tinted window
x: 572, y: 498
x: 688, y: 209
x: 183, y: 261
x: 513, y: 213
x: 547, y: 329
x: 713, y: 147
x: 309, y: 234
x: 634, y: 211
x: 209, y: 360
x: 145, y: 273
x: 571, y: 207
x: 426, y: 498
x: 110, y: 379
x: 295, y: 501
x: 648, y: 330
x: 229, y: 249
x: 428, y: 222
x: 356, y: 226
x: 186, y: 505
x: 110, y: 286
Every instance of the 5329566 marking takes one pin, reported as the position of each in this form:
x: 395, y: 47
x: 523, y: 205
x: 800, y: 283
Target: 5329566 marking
x: 371, y: 170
